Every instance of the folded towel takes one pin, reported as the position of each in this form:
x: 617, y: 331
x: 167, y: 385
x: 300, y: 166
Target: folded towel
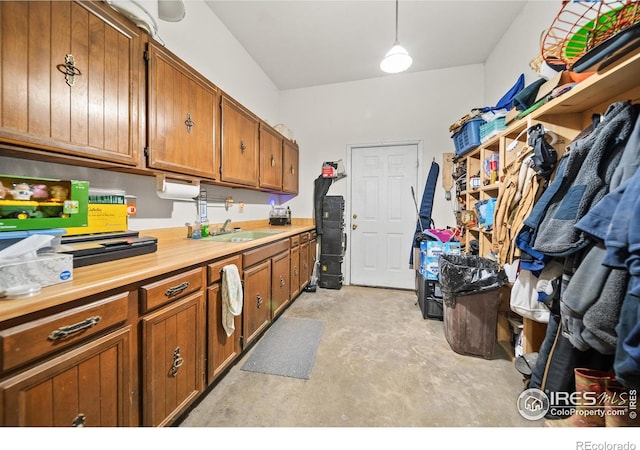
x: 231, y: 297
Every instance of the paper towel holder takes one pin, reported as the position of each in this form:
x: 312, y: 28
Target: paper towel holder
x: 189, y: 188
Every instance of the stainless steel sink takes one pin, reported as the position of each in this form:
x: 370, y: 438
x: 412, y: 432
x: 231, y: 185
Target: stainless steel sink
x: 240, y: 236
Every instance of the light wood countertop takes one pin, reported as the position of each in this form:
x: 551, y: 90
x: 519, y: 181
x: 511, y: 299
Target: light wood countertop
x: 175, y: 252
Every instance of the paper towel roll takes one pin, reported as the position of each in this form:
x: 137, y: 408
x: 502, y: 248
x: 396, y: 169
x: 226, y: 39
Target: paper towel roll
x: 178, y: 191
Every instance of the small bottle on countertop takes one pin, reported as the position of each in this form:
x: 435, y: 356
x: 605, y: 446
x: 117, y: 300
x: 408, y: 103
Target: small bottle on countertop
x: 197, y: 230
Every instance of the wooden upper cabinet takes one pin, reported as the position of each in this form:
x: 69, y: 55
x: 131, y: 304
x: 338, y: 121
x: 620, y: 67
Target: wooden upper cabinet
x: 270, y: 158
x: 182, y: 119
x: 290, y: 167
x: 239, y: 161
x: 69, y: 79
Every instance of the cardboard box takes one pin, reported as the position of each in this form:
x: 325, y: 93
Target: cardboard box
x: 28, y: 203
x: 103, y: 218
x: 44, y: 270
x: 558, y: 80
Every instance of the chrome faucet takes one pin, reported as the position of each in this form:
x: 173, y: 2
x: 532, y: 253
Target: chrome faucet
x: 223, y: 229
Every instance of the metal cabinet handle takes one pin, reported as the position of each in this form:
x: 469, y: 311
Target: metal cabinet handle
x: 79, y: 421
x: 295, y: 271
x: 259, y: 300
x: 69, y: 69
x: 177, y: 362
x: 273, y: 161
x: 293, y: 172
x: 189, y: 123
x: 63, y: 332
x: 243, y: 146
x: 281, y: 281
x: 176, y: 289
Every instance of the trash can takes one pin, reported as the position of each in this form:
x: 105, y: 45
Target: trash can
x: 470, y: 288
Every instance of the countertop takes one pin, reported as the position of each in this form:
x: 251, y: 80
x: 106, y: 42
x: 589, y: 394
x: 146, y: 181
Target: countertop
x: 175, y: 252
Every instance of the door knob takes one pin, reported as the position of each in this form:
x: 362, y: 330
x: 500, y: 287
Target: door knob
x: 354, y: 226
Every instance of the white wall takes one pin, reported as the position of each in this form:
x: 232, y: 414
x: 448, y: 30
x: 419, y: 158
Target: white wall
x: 411, y: 106
x: 519, y: 45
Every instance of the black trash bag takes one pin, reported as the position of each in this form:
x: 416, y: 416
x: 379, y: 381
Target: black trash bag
x: 467, y: 274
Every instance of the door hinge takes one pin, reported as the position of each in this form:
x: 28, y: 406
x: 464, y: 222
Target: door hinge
x: 241, y: 342
x: 146, y: 152
x: 145, y: 55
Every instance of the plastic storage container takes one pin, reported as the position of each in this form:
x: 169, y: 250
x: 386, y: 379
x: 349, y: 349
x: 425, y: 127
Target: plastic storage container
x: 430, y: 299
x: 492, y: 128
x: 468, y: 137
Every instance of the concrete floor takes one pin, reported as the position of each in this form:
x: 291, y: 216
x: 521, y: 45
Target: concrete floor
x: 379, y: 364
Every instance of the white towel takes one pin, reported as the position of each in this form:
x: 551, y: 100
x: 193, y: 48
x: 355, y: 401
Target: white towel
x: 231, y: 297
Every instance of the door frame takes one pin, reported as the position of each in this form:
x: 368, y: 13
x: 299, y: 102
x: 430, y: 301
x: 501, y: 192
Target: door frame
x: 347, y: 206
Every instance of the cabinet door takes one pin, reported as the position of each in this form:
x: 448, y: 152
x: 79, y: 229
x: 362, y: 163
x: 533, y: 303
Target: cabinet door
x: 87, y: 386
x: 69, y: 79
x: 313, y: 256
x: 222, y: 349
x: 239, y: 161
x: 257, y: 294
x: 172, y: 359
x: 270, y: 158
x: 182, y: 116
x: 305, y: 267
x: 280, y: 283
x: 295, y: 271
x: 290, y: 167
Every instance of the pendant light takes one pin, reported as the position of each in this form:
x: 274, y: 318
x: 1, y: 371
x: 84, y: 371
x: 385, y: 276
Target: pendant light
x: 397, y: 59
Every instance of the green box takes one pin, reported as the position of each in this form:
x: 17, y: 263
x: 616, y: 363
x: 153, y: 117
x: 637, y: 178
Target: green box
x: 29, y: 203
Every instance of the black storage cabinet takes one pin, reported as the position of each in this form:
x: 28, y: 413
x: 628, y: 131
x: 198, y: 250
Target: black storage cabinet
x: 332, y: 242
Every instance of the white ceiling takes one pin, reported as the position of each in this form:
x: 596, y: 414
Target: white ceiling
x: 302, y: 43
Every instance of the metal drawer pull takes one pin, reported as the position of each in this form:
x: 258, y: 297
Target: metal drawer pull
x: 69, y: 69
x: 243, y: 146
x: 176, y: 289
x: 259, y: 300
x: 63, y: 332
x: 79, y: 421
x: 281, y: 281
x: 189, y: 123
x: 177, y: 362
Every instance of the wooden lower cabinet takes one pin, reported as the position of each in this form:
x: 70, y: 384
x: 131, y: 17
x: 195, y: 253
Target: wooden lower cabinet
x: 280, y: 284
x: 313, y: 254
x: 295, y: 268
x: 172, y: 359
x: 222, y: 349
x: 257, y: 292
x: 305, y: 266
x: 87, y: 386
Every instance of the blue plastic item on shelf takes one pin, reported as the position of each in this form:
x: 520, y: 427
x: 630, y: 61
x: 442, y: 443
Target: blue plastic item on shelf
x: 468, y: 137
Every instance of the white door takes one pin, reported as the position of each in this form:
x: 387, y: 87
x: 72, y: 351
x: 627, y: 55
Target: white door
x: 382, y: 215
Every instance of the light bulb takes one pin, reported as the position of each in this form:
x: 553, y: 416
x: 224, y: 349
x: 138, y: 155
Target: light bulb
x: 396, y: 60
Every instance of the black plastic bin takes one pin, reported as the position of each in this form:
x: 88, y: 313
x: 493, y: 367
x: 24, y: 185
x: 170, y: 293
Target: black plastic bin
x: 429, y: 298
x: 470, y: 288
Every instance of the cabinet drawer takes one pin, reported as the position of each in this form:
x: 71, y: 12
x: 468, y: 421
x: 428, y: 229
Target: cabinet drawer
x: 295, y: 240
x: 167, y: 290
x: 260, y: 254
x: 215, y: 268
x: 32, y: 340
x: 304, y: 237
